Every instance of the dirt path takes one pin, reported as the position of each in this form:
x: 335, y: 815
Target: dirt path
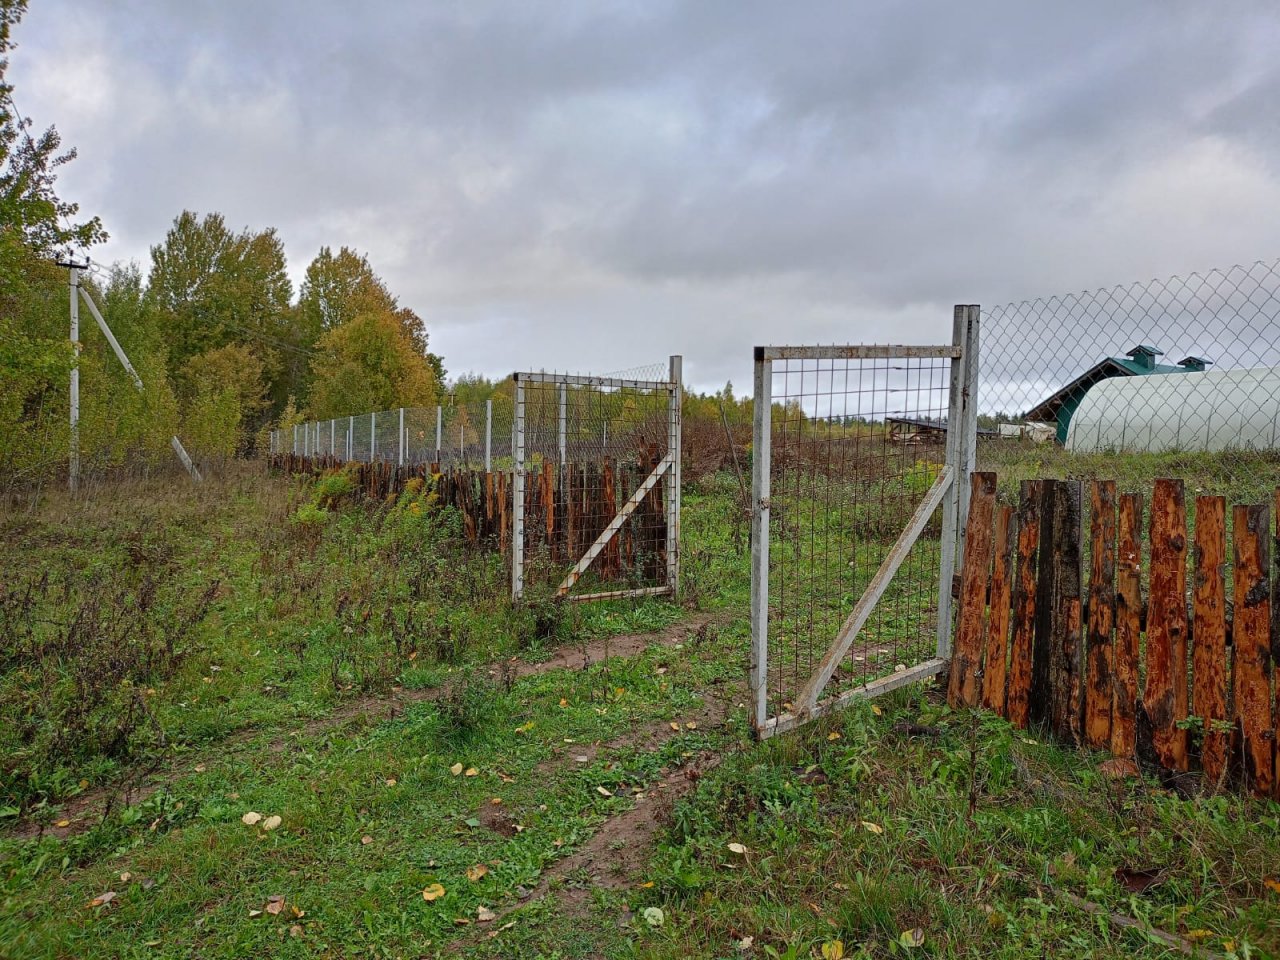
x: 81, y: 812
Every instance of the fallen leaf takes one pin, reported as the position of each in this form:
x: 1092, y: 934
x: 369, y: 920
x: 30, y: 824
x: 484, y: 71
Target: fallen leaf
x: 1140, y: 880
x: 1197, y: 936
x: 391, y: 781
x: 654, y: 916
x: 1272, y: 884
x: 456, y: 769
x: 525, y: 727
x: 476, y: 872
x: 432, y: 891
x: 833, y: 950
x: 872, y: 827
x: 272, y: 822
x: 603, y: 792
x: 366, y: 840
x: 738, y: 848
x: 691, y: 725
x: 299, y: 914
x: 253, y: 912
x: 471, y: 772
x: 295, y: 930
x: 564, y: 702
x: 485, y: 915
x: 746, y: 943
x: 63, y: 823
x: 875, y: 708
x: 250, y: 818
x: 834, y: 735
x: 646, y: 885
x: 912, y: 938
x: 461, y: 922
x: 275, y: 904
x: 675, y: 726
x: 201, y: 768
x: 496, y: 802
x: 125, y: 877
x: 102, y: 899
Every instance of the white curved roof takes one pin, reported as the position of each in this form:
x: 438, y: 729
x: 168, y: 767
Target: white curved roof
x: 1214, y: 410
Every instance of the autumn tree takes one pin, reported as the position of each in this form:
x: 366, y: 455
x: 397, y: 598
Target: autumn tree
x: 367, y: 364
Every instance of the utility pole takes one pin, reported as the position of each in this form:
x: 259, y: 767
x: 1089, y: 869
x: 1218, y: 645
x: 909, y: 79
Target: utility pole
x: 73, y: 473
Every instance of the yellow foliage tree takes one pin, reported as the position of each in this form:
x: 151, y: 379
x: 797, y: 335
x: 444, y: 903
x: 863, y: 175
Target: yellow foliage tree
x: 369, y: 363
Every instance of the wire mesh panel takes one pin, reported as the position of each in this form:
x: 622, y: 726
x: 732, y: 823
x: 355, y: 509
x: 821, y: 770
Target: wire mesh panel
x: 857, y: 453
x: 596, y: 480
x: 1176, y: 378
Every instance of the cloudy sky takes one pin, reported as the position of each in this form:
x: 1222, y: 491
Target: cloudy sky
x: 596, y: 185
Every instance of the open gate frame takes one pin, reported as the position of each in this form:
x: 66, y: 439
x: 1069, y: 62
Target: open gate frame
x: 648, y: 438
x: 946, y: 491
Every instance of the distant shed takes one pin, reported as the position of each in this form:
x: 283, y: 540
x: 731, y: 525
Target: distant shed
x: 1200, y: 411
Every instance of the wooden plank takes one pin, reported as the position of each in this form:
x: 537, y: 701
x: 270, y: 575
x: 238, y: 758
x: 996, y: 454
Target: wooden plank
x: 1251, y: 637
x: 1102, y: 614
x: 1068, y: 640
x: 1041, y: 697
x: 975, y: 575
x: 1124, y: 718
x: 1209, y: 633
x: 1024, y: 605
x: 1275, y: 652
x: 610, y: 562
x: 1165, y: 695
x: 995, y: 657
x: 808, y: 697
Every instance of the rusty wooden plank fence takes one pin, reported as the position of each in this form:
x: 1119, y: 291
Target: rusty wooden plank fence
x: 1035, y: 646
x: 566, y: 507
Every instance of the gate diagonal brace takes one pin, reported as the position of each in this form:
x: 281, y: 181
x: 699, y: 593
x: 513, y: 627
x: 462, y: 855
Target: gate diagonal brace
x: 808, y: 697
x: 609, y: 532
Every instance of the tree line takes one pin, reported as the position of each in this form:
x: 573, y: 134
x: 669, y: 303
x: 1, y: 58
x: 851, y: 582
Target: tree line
x: 224, y: 345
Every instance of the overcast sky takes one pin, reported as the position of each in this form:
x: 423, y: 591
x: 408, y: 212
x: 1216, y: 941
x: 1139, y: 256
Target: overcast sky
x: 594, y: 185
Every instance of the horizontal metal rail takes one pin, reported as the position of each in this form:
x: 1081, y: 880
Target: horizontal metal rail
x: 862, y: 351
x: 610, y: 383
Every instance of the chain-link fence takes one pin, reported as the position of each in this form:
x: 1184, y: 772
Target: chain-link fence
x: 475, y: 435
x: 1176, y: 378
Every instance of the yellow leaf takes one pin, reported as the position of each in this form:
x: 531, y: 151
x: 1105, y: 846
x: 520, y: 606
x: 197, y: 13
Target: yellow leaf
x: 124, y: 877
x: 456, y: 769
x: 391, y: 781
x: 834, y: 735
x: 200, y: 768
x: 912, y: 938
x: 433, y: 891
x: 471, y: 772
x: 675, y: 726
x: 485, y: 915
x: 1272, y: 884
x: 872, y: 827
x: 620, y: 691
x: 366, y: 840
x: 63, y: 823
x: 525, y: 727
x: 496, y: 801
x: 738, y: 848
x: 691, y: 725
x: 461, y: 922
x: 875, y: 708
x: 646, y: 885
x: 271, y: 823
x: 564, y: 702
x: 1196, y: 936
x: 476, y: 872
x: 833, y: 950
x: 603, y: 792
x: 250, y: 818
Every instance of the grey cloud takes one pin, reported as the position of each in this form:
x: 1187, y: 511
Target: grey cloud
x: 587, y: 185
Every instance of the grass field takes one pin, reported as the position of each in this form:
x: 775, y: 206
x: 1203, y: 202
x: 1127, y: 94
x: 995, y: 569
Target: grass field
x: 454, y: 777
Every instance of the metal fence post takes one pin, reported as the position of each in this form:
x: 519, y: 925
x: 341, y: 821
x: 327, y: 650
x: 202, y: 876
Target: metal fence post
x: 969, y: 423
x: 948, y: 560
x: 373, y: 435
x: 333, y: 437
x: 294, y: 450
x: 351, y: 434
x: 400, y: 440
x: 673, y: 478
x: 439, y: 430
x: 517, y: 495
x: 760, y: 454
x: 488, y: 436
x: 561, y: 431
x: 73, y: 476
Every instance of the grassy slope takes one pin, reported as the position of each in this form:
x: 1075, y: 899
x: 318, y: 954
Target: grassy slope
x: 990, y: 881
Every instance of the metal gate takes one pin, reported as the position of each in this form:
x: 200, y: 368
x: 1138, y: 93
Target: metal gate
x: 856, y: 514
x: 596, y: 484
